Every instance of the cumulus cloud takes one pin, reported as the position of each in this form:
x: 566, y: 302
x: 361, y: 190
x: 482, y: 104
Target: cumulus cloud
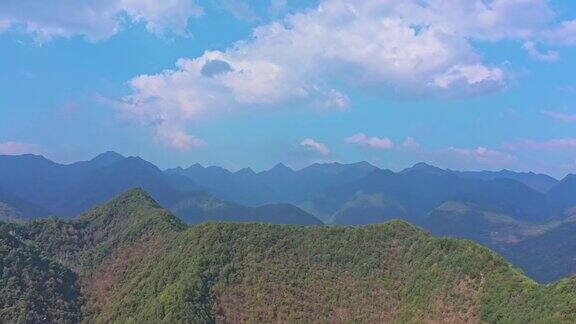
x: 410, y: 144
x: 315, y: 146
x: 556, y: 144
x: 564, y: 34
x: 564, y: 117
x: 240, y: 9
x: 96, y: 20
x: 547, y: 56
x: 483, y: 155
x: 18, y: 148
x: 308, y: 58
x: 467, y: 75
x: 377, y: 143
x: 162, y: 16
x: 178, y: 139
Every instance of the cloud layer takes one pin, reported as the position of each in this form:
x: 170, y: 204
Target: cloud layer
x: 560, y: 116
x: 315, y: 146
x: 377, y: 143
x: 482, y: 155
x: 555, y: 144
x: 548, y: 56
x: 307, y: 59
x: 96, y: 20
x: 18, y: 148
x: 388, y: 46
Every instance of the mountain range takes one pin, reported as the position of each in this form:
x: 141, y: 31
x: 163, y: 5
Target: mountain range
x: 131, y: 261
x: 67, y: 190
x: 280, y: 184
x: 510, y: 212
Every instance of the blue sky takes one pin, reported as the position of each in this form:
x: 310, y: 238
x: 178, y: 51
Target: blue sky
x: 390, y: 82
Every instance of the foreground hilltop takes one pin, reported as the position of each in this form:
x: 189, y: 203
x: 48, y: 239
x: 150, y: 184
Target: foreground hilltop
x: 129, y: 260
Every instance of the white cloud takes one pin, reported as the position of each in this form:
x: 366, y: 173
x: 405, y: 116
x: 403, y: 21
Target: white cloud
x: 377, y: 143
x: 278, y: 6
x: 483, y: 155
x: 565, y: 33
x: 390, y: 46
x: 547, y: 56
x: 178, y: 139
x: 96, y: 20
x: 240, y: 9
x: 467, y: 75
x: 556, y: 144
x: 163, y: 16
x: 17, y: 148
x: 410, y: 144
x: 315, y: 146
x: 569, y: 118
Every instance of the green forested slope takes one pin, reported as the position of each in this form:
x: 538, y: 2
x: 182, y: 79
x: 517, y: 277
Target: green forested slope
x: 33, y: 287
x: 139, y: 264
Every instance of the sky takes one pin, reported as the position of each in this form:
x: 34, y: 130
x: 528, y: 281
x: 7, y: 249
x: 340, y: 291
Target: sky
x: 461, y: 84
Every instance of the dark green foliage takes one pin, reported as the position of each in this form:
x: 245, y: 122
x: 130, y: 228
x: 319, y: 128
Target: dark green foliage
x: 139, y: 264
x: 33, y: 287
x: 393, y: 272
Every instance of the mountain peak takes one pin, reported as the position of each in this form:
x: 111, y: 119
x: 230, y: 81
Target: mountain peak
x: 195, y: 166
x: 137, y: 194
x: 134, y: 207
x: 133, y: 165
x: 245, y: 171
x: 424, y: 167
x: 364, y: 165
x: 281, y: 167
x: 108, y: 157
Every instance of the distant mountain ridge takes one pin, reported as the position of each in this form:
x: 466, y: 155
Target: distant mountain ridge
x: 417, y: 191
x: 540, y: 182
x: 13, y: 207
x: 280, y: 184
x: 67, y: 190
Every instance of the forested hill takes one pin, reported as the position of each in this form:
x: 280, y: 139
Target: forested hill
x: 135, y: 262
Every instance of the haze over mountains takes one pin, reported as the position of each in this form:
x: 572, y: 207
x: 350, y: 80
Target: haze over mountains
x: 279, y: 184
x: 67, y: 190
x: 510, y: 212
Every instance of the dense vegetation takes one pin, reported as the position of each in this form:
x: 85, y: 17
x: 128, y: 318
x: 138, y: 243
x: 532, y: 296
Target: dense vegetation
x: 33, y: 287
x: 137, y: 263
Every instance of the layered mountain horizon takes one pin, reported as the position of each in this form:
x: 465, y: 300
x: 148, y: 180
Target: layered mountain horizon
x: 513, y: 213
